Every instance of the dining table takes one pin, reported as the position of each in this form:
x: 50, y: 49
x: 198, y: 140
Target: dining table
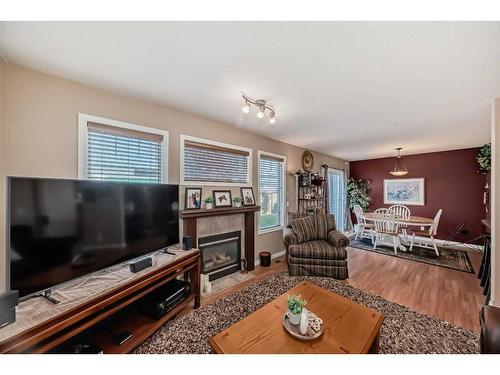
x: 414, y: 221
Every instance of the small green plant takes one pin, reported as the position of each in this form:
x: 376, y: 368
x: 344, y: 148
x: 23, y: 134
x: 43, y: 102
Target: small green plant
x: 357, y: 193
x: 484, y: 159
x: 296, y: 304
x: 237, y: 200
x: 209, y: 199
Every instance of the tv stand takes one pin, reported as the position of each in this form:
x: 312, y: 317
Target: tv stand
x: 88, y: 307
x: 47, y: 294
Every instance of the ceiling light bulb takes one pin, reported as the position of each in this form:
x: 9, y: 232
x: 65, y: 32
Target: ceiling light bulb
x: 272, y: 119
x: 260, y: 114
x: 246, y: 108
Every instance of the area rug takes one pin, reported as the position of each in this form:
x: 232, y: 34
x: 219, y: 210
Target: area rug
x: 449, y: 258
x: 403, y: 330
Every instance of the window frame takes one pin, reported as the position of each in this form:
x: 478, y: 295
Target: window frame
x: 84, y: 119
x: 283, y: 203
x: 185, y: 138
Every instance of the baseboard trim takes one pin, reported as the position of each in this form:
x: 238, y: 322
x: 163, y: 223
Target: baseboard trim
x: 273, y: 256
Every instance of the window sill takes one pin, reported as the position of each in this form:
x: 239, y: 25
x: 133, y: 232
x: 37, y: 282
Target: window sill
x: 270, y: 230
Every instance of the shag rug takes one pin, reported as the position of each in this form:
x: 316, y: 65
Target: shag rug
x: 403, y: 331
x: 449, y: 258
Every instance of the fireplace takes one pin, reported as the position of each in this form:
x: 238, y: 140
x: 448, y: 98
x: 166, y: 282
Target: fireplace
x: 220, y: 254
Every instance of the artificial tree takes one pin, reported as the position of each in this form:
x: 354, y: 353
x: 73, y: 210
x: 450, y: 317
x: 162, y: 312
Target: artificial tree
x: 357, y: 193
x: 484, y: 159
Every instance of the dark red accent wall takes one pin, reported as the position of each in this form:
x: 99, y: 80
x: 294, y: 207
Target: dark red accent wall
x: 451, y: 183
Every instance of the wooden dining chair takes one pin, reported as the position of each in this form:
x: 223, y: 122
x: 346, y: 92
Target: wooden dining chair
x: 364, y: 229
x: 386, y: 226
x: 403, y: 213
x: 427, y: 234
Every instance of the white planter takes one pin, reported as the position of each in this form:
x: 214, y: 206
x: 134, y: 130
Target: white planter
x: 208, y: 206
x: 294, y: 318
x: 237, y: 204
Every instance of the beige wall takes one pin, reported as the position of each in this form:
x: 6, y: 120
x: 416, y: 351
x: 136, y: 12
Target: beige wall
x: 495, y: 203
x: 2, y: 173
x: 41, y: 131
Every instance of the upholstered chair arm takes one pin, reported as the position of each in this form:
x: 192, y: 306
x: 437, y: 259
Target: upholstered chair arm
x: 290, y: 238
x: 337, y: 239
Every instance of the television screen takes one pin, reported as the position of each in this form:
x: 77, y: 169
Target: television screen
x: 63, y: 229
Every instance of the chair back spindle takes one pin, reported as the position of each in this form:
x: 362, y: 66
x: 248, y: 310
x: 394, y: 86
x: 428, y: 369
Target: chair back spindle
x: 386, y: 222
x: 402, y: 212
x: 435, y: 224
x: 358, y: 212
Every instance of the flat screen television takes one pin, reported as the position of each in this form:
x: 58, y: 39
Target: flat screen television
x: 59, y: 230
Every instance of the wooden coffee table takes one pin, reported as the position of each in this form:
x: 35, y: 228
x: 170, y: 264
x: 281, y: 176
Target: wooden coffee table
x: 348, y: 327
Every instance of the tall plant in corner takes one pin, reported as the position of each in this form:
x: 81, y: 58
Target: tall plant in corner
x: 484, y: 159
x: 357, y: 193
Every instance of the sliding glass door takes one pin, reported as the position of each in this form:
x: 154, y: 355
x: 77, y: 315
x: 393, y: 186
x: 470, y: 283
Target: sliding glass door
x: 337, y: 196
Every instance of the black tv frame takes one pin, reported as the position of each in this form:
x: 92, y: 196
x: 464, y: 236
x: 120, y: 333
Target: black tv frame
x: 47, y: 293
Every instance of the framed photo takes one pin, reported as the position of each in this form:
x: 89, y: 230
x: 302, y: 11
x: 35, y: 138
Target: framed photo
x: 193, y: 198
x: 407, y: 191
x: 247, y: 196
x: 222, y: 198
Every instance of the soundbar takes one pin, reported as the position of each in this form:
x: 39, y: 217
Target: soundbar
x: 140, y: 264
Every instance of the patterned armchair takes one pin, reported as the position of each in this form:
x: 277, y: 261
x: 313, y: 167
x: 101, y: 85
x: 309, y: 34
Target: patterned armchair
x: 315, y: 248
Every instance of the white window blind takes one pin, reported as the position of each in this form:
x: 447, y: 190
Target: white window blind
x: 211, y: 163
x: 120, y: 154
x: 271, y: 191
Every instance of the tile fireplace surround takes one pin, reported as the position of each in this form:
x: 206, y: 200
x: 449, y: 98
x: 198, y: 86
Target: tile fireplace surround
x: 202, y: 223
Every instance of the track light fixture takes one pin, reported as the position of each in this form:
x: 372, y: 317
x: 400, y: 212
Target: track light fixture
x: 261, y: 103
x: 246, y: 107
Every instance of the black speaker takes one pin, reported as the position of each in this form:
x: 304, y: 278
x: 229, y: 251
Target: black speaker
x: 186, y: 243
x: 141, y: 264
x: 8, y: 303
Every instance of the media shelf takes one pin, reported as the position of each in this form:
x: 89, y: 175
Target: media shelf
x: 89, y: 322
x: 139, y: 325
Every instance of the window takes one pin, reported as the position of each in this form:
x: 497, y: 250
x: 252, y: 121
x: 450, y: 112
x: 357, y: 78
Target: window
x: 271, y: 191
x: 111, y: 150
x: 205, y: 162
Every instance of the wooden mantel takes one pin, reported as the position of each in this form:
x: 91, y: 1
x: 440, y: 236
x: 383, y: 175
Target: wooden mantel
x: 190, y: 218
x: 203, y: 212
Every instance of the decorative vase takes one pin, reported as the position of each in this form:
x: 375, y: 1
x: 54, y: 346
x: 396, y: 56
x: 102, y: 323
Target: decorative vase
x: 208, y: 206
x: 304, y: 321
x: 294, y: 318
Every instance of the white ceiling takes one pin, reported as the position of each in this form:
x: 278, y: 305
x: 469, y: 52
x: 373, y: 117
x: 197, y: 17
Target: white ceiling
x: 354, y: 90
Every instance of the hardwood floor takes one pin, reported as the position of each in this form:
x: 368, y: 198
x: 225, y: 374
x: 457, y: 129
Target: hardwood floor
x: 446, y: 294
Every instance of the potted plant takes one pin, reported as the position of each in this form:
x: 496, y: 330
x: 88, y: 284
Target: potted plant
x: 209, y: 202
x: 357, y: 193
x: 484, y: 159
x: 237, y: 201
x: 295, y: 307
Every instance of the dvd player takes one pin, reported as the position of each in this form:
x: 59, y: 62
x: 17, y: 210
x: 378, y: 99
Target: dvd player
x: 165, y: 298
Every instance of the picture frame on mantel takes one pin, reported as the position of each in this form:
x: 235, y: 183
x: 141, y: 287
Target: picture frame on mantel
x: 247, y: 196
x: 405, y: 191
x: 222, y: 198
x: 192, y: 198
